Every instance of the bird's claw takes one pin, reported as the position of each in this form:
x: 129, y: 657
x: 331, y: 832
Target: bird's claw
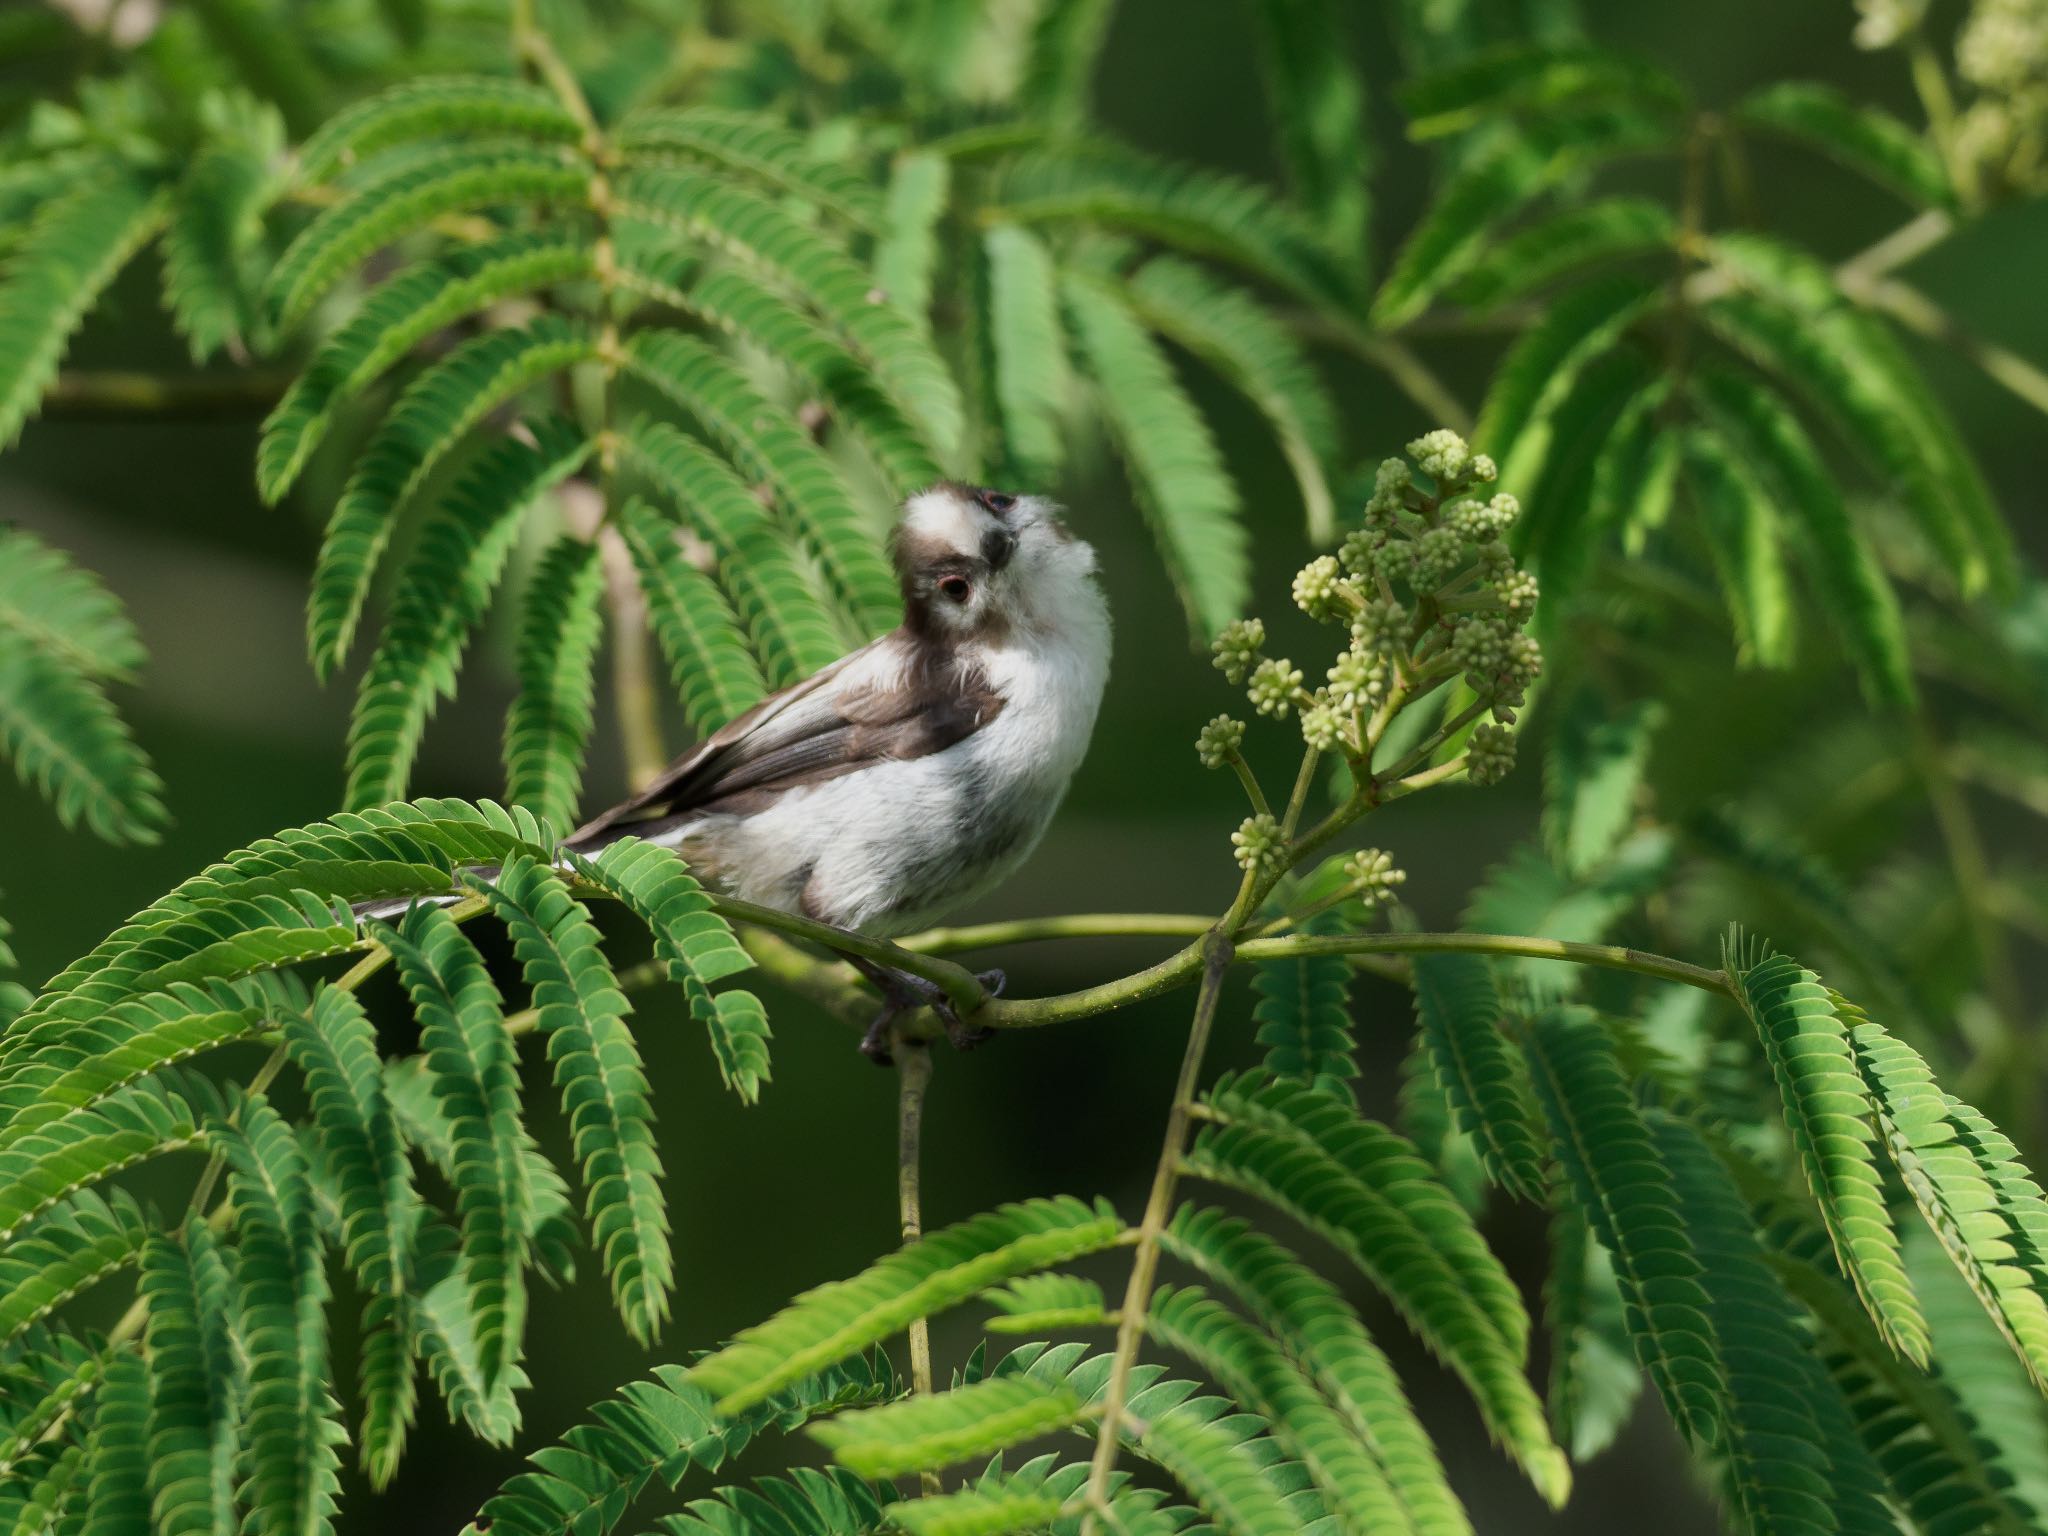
x: 902, y: 992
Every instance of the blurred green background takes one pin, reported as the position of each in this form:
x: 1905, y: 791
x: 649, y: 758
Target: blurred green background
x: 769, y: 1200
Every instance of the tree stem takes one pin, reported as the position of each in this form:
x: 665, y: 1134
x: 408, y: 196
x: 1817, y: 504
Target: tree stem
x: 1084, y: 925
x: 1181, y: 967
x: 1217, y: 950
x: 914, y: 1075
x: 118, y: 394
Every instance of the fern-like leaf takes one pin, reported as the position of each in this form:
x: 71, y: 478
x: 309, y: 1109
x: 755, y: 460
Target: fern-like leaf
x: 1789, y: 315
x: 1807, y: 1043
x: 1195, y: 212
x: 69, y: 1249
x: 1458, y: 1013
x: 1862, y: 137
x: 1592, y: 777
x: 1845, y: 573
x: 1539, y: 371
x: 833, y: 1322
x: 411, y: 195
x: 56, y: 721
x: 714, y: 672
x: 211, y: 242
x: 438, y: 407
x: 335, y: 1049
x: 1319, y: 1329
x: 1259, y: 1376
x: 908, y: 251
x: 289, y: 1421
x: 658, y: 1430
x: 699, y: 947
x: 1613, y: 1174
x: 442, y: 592
x: 1304, y: 1017
x: 51, y: 1162
x: 1237, y: 336
x: 1744, y: 537
x: 767, y: 446
x: 923, y: 1433
x: 755, y: 230
x: 1564, y: 245
x: 1498, y: 178
x: 461, y: 108
x: 400, y: 314
x: 80, y: 240
x: 193, y: 1384
x: 604, y: 1090
x: 820, y: 361
x: 756, y: 148
x: 475, y: 1075
x: 118, y: 1451
x: 1595, y: 1379
x: 548, y: 728
x: 1794, y: 1462
x: 1177, y: 473
x: 1316, y: 96
x: 1991, y: 1250
x: 1367, y: 1191
x: 1533, y: 76
x: 792, y: 630
x: 1027, y: 341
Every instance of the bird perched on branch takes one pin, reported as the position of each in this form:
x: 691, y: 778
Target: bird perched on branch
x: 917, y: 772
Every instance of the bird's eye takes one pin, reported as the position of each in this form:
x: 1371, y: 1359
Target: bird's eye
x: 996, y: 501
x: 956, y: 588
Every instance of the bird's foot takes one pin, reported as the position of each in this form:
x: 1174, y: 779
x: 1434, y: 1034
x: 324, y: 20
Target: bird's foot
x: 965, y: 1036
x: 903, y: 993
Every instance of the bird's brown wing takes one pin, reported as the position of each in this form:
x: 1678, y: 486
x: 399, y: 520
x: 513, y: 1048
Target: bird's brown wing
x: 820, y: 728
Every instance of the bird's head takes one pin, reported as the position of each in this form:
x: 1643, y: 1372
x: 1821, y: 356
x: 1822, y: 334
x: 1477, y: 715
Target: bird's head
x: 979, y: 562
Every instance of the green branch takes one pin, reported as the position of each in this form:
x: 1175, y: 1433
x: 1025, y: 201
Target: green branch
x: 1181, y: 968
x: 1085, y: 925
x: 119, y: 394
x: 1130, y: 1331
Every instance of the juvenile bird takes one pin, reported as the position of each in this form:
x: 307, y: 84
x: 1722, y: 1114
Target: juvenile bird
x: 917, y: 772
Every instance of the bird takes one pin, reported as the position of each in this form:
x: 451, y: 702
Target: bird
x: 917, y: 772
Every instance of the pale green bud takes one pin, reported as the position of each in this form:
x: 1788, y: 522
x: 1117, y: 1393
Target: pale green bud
x: 1218, y: 740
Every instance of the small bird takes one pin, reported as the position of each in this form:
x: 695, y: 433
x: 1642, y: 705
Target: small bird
x: 919, y: 771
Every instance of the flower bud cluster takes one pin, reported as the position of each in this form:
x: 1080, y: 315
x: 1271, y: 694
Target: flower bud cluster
x: 1425, y: 591
x: 1372, y: 873
x: 1489, y: 754
x: 1219, y: 741
x: 1258, y: 845
x: 1998, y: 143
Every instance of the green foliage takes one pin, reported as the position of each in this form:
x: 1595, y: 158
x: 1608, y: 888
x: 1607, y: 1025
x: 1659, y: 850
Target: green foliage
x: 1177, y: 473
x: 662, y: 334
x: 604, y: 1090
x: 1613, y: 1173
x: 1807, y: 1042
x: 63, y: 638
x: 1458, y: 1013
x: 80, y: 240
x: 838, y: 1321
x: 929, y: 1432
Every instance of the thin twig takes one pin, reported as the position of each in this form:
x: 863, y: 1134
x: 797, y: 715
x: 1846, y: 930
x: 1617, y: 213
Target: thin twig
x: 118, y: 394
x: 914, y: 1076
x: 1181, y: 968
x: 1084, y: 925
x: 1158, y: 1210
x: 1920, y: 314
